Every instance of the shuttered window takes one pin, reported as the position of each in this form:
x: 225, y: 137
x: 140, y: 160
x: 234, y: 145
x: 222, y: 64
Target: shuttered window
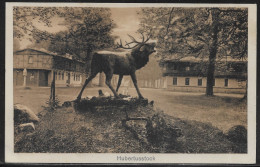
x: 187, y: 81
x: 174, y: 81
x: 199, y: 82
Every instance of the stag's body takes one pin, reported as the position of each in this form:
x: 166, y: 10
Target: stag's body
x: 121, y: 64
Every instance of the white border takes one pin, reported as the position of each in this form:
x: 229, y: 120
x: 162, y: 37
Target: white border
x: 249, y: 158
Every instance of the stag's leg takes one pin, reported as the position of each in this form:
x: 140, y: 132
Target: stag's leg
x: 119, y: 82
x: 108, y: 82
x: 136, y: 87
x: 85, y: 84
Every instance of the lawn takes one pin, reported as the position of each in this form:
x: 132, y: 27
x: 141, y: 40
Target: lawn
x: 102, y: 131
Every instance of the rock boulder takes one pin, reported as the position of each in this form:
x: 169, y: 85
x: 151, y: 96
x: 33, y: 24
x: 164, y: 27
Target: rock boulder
x: 237, y: 134
x: 23, y: 114
x: 27, y: 127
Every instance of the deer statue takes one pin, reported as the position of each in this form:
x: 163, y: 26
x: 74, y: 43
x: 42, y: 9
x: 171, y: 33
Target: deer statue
x: 121, y: 63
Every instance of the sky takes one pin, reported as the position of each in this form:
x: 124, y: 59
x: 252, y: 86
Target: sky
x: 127, y: 22
x: 126, y: 19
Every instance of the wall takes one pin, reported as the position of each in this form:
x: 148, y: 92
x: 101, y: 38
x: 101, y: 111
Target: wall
x: 32, y: 78
x: 75, y: 79
x: 68, y: 78
x: 37, y: 61
x: 39, y: 67
x: 234, y: 85
x: 95, y: 81
x: 18, y: 77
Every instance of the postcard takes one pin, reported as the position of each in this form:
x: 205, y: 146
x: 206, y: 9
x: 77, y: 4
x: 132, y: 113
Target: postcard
x: 130, y: 83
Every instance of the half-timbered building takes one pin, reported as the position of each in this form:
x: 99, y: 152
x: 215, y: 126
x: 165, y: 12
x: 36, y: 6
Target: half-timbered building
x: 36, y: 68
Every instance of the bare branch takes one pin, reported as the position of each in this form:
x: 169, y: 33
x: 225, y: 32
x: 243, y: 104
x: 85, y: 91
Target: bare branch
x: 169, y: 21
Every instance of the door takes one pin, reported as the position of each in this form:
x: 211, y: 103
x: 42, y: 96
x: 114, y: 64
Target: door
x: 18, y: 77
x: 43, y: 78
x: 68, y: 81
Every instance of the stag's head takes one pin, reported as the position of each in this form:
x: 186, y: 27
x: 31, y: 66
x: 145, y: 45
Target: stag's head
x: 148, y: 48
x: 142, y: 46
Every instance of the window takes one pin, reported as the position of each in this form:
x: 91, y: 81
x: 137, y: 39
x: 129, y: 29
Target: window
x: 62, y: 75
x: 59, y: 75
x: 55, y: 75
x: 174, y: 81
x: 30, y: 60
x: 199, y: 82
x: 187, y: 81
x: 226, y: 82
x: 172, y: 66
x: 187, y: 68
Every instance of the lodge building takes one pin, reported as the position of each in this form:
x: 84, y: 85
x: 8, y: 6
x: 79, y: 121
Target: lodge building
x: 186, y: 75
x: 36, y: 68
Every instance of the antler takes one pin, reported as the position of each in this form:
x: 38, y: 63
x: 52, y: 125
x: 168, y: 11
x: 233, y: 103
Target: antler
x: 143, y: 39
x: 120, y: 45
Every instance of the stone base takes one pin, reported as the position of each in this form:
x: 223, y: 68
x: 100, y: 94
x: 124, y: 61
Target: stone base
x: 107, y: 102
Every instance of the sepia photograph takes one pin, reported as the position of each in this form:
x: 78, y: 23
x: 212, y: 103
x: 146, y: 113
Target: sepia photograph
x: 131, y: 83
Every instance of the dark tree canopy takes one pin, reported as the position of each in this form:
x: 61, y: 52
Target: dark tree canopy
x: 188, y: 31
x: 209, y: 33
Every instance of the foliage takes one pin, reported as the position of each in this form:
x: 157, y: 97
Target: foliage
x: 16, y: 45
x: 53, y: 104
x: 26, y: 18
x: 82, y: 38
x: 189, y: 31
x: 87, y: 29
x: 208, y: 33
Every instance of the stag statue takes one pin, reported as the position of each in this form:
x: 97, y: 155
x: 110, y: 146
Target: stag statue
x: 121, y: 63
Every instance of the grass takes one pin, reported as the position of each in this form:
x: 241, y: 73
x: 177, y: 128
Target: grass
x: 66, y: 131
x: 203, y: 121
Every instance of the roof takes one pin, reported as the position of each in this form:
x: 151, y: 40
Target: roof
x: 199, y: 59
x: 41, y: 51
x: 46, y: 52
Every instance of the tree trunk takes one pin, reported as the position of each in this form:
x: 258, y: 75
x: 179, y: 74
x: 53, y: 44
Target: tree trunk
x: 212, y: 52
x: 52, y: 97
x: 88, y: 59
x: 210, y: 74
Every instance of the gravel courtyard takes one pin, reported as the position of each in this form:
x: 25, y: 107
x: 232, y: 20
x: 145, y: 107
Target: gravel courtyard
x: 222, y: 110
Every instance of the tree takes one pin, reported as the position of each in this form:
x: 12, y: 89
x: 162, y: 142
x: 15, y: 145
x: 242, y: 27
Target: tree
x: 91, y: 32
x: 16, y: 45
x: 88, y: 29
x: 208, y: 33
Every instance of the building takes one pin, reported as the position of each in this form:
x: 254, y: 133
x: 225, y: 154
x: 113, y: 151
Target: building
x: 36, y: 68
x: 189, y: 74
